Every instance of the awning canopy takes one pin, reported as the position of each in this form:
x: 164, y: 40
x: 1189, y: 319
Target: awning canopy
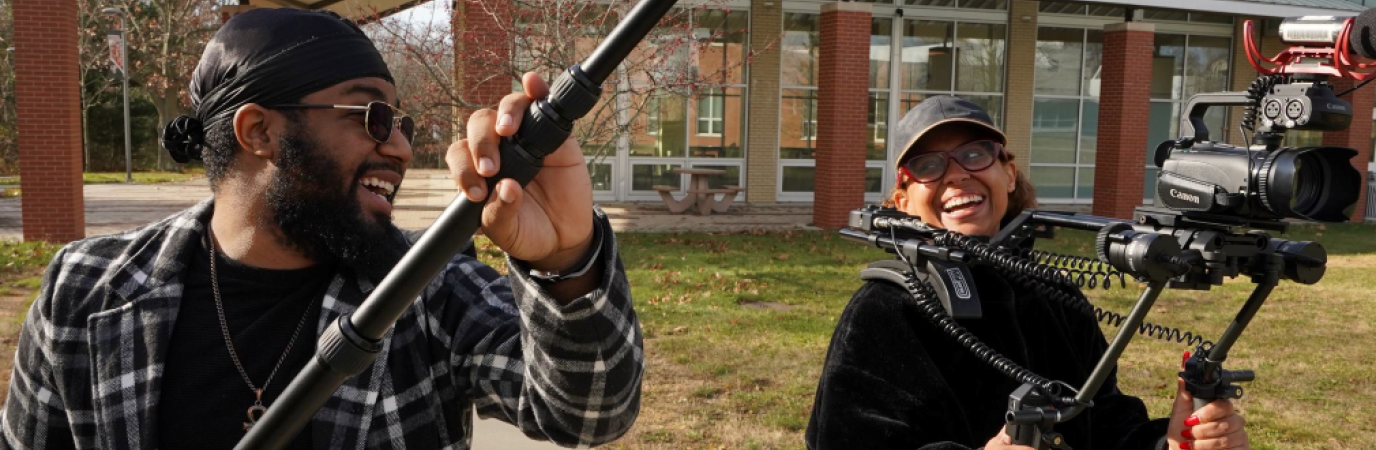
x: 1254, y: 8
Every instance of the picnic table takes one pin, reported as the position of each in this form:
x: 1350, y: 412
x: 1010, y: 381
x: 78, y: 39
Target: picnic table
x: 699, y: 193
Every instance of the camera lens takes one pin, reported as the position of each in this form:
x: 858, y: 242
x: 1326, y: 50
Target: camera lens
x: 1308, y: 181
x: 1313, y: 183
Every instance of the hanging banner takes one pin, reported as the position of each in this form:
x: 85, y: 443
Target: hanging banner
x: 116, y: 39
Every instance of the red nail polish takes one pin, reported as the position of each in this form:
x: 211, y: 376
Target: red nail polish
x: 1187, y: 434
x: 1185, y: 446
x: 1192, y: 421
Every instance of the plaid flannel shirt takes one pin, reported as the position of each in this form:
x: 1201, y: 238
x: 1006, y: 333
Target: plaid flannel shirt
x: 89, y: 363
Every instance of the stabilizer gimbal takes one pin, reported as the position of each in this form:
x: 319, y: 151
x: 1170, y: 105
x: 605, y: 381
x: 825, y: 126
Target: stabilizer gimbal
x: 1161, y: 248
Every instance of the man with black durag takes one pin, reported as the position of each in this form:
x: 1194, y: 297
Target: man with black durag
x: 178, y: 334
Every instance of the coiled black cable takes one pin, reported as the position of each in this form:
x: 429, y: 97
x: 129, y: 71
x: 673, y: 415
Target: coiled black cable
x: 1028, y: 275
x: 925, y: 297
x: 1086, y: 272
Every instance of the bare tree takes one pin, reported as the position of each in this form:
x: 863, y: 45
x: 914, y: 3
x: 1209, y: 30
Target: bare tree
x: 546, y: 37
x: 165, y: 39
x: 9, y: 142
x: 94, y: 69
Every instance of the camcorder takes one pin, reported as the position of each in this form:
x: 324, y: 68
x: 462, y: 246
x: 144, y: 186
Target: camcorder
x: 1263, y: 181
x: 1214, y: 203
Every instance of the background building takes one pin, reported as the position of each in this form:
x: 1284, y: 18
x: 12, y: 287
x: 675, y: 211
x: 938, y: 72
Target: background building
x: 1037, y: 66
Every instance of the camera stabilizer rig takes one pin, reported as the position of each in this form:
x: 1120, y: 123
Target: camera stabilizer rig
x: 1209, y: 191
x: 1160, y: 249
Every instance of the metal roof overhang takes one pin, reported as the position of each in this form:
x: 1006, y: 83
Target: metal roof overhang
x: 356, y: 10
x: 1254, y: 8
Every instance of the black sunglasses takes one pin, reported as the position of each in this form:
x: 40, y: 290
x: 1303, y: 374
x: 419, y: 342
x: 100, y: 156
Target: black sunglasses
x: 379, y: 118
x: 973, y: 157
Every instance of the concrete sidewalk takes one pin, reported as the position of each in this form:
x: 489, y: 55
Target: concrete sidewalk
x: 111, y: 208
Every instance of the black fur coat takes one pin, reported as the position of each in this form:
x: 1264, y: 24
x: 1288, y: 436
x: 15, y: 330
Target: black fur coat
x: 892, y: 380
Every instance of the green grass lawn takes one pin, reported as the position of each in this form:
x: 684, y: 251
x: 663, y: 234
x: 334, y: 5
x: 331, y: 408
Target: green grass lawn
x: 737, y: 327
x: 22, y: 264
x: 118, y: 177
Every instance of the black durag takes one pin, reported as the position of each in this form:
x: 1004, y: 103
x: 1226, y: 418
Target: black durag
x: 269, y: 56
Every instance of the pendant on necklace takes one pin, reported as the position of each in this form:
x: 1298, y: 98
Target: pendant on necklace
x: 257, y: 408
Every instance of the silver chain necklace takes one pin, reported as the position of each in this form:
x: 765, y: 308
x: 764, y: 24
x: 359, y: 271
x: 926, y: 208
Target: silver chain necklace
x: 256, y: 411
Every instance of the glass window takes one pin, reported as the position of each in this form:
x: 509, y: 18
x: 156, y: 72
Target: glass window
x: 645, y: 177
x: 797, y: 122
x: 1206, y: 65
x: 1149, y: 182
x: 1183, y: 66
x: 981, y: 49
x: 874, y: 180
x: 942, y: 3
x: 1211, y: 18
x: 1061, y: 8
x: 1055, y: 127
x: 927, y: 55
x: 1065, y: 112
x: 881, y: 37
x: 1054, y: 182
x: 984, y: 4
x: 719, y: 128
x: 1166, y: 14
x: 992, y: 104
x: 670, y: 127
x: 1167, y: 65
x: 601, y: 175
x: 1106, y: 11
x: 1089, y: 131
x: 878, y: 115
x: 800, y: 50
x: 1085, y: 183
x: 908, y: 101
x: 1060, y: 52
x: 1162, y: 125
x: 710, y: 112
x: 721, y: 39
x: 798, y: 179
x: 1094, y: 62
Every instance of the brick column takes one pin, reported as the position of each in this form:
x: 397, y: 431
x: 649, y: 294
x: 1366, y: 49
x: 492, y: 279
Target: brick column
x: 1019, y: 85
x: 481, y: 49
x: 1357, y: 136
x: 762, y: 120
x: 48, y: 103
x: 842, y: 93
x: 1124, y: 105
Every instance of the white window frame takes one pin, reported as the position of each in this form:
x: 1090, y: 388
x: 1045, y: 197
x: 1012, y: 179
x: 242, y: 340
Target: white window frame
x: 895, y: 92
x: 715, y: 123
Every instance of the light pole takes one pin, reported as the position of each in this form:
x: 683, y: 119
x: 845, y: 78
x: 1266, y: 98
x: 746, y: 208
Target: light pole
x: 124, y: 74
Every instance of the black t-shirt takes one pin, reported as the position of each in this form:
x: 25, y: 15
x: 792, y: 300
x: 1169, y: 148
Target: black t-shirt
x: 205, y: 401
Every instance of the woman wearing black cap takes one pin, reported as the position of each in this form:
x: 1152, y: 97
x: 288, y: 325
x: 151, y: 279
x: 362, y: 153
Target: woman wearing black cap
x: 893, y: 380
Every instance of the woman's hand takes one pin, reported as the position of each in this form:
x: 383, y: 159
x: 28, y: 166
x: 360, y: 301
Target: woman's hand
x: 1215, y: 426
x: 1004, y: 442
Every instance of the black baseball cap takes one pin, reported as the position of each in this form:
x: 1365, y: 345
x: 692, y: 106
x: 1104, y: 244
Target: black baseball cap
x: 936, y: 111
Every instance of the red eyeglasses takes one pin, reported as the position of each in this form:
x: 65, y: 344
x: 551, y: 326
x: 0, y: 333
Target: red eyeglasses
x: 379, y: 118
x: 973, y: 157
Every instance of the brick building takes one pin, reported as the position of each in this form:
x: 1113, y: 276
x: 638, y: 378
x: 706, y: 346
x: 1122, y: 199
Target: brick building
x: 1083, y: 89
x: 1083, y: 93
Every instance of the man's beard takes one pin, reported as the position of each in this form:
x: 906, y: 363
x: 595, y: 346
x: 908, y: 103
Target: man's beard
x: 322, y: 222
